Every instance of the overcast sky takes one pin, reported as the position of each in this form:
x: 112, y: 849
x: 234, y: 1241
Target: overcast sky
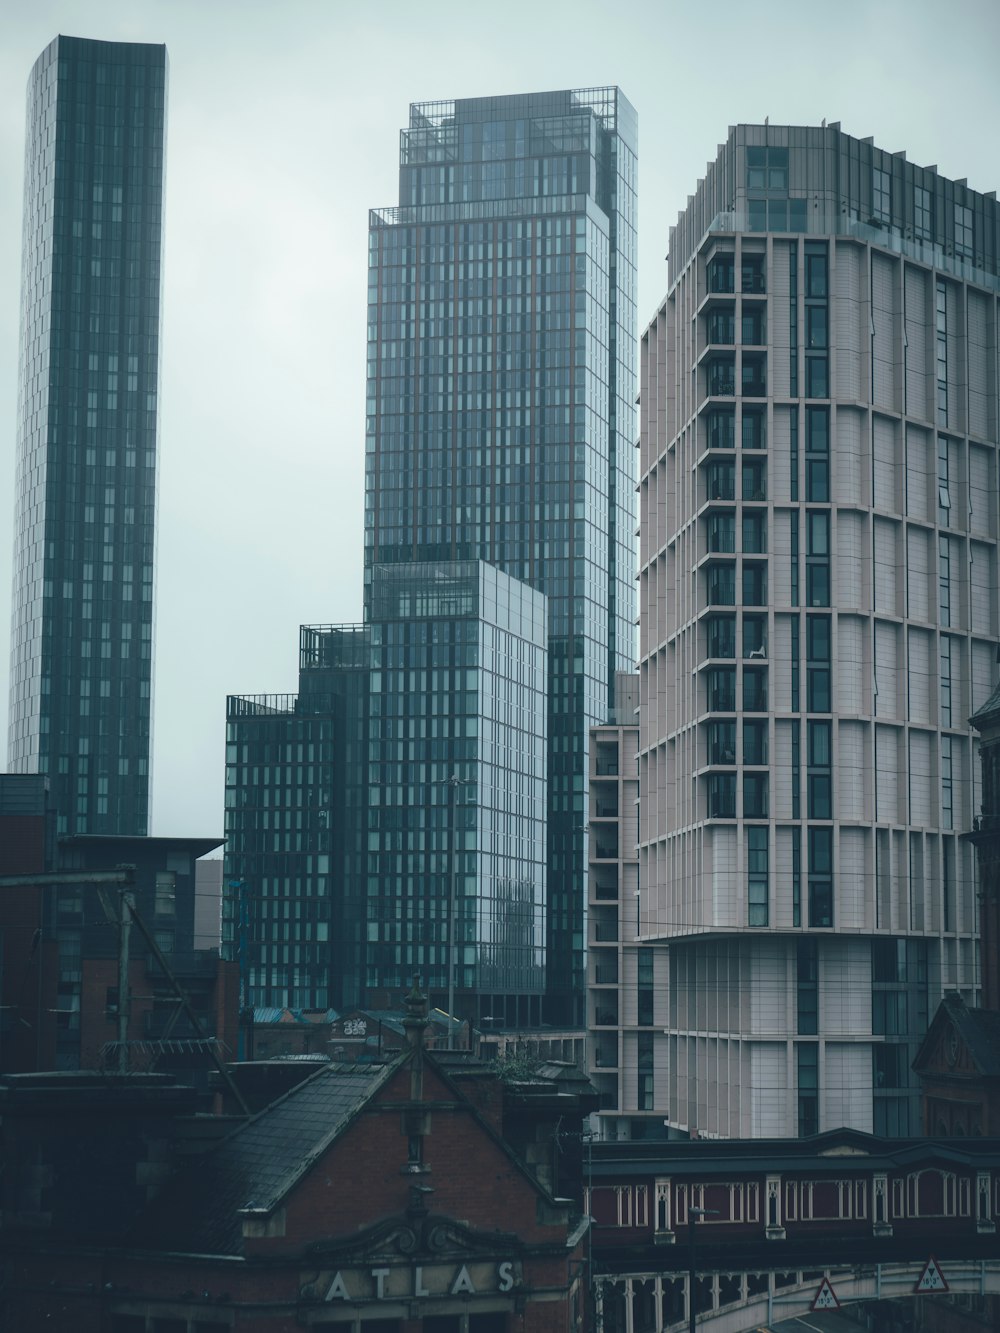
x: 283, y: 130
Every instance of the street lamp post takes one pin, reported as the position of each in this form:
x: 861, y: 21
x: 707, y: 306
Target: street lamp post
x: 693, y: 1215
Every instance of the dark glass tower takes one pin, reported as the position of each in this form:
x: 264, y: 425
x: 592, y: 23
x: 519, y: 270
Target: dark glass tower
x: 82, y: 635
x: 389, y: 820
x: 501, y: 383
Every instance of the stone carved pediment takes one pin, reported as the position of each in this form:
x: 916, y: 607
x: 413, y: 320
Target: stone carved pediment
x: 430, y: 1236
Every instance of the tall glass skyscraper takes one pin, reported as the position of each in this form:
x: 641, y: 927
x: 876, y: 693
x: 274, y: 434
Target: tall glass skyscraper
x: 82, y: 641
x: 501, y: 384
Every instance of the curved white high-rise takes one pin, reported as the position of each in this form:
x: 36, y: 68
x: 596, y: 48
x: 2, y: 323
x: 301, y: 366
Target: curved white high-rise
x: 818, y: 619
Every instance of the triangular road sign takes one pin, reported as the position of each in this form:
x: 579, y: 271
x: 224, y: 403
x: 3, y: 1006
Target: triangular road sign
x: 825, y: 1298
x: 931, y: 1279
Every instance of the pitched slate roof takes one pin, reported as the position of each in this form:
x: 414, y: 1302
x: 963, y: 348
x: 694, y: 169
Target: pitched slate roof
x: 987, y: 711
x: 257, y: 1165
x: 980, y: 1030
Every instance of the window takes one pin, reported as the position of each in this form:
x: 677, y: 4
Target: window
x: 722, y: 796
x: 963, y: 231
x: 722, y: 429
x: 166, y: 903
x: 816, y: 327
x: 755, y: 795
x: 722, y: 377
x: 754, y: 636
x: 754, y: 476
x: 754, y: 741
x: 817, y: 583
x: 819, y: 744
x: 644, y: 1062
x: 644, y: 984
x: 722, y: 273
x: 946, y: 673
x: 752, y: 325
x: 722, y: 743
x: 722, y: 531
x: 817, y: 653
x: 767, y: 168
x: 754, y: 430
x: 817, y: 430
x: 889, y: 960
x: 890, y: 1065
x: 755, y: 689
x: 753, y: 381
x: 722, y: 690
x: 722, y: 585
x: 892, y: 1117
x: 817, y: 383
x: 722, y: 481
x: 817, y: 480
x: 890, y: 1011
x: 944, y: 579
x: 755, y: 532
x: 807, y: 974
x: 944, y: 481
x: 923, y: 226
x: 722, y: 636
x: 941, y: 352
x: 947, y: 789
x: 817, y: 557
x: 757, y: 876
x: 817, y: 454
x: 820, y: 877
x: 752, y: 268
x: 808, y: 1083
x: 722, y: 327
x: 754, y: 583
x: 820, y: 799
x: 881, y: 195
x: 795, y: 654
x: 793, y: 327
x: 816, y: 272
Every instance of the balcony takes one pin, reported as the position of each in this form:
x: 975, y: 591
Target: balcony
x: 605, y: 932
x: 720, y: 275
x: 605, y: 851
x: 721, y: 482
x: 720, y: 328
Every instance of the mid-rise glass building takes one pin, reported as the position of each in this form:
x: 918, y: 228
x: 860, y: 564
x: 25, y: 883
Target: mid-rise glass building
x: 818, y: 620
x: 84, y: 533
x: 389, y: 820
x: 501, y: 386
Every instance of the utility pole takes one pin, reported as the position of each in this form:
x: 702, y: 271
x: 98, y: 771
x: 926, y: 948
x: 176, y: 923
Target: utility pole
x: 242, y: 938
x: 126, y: 908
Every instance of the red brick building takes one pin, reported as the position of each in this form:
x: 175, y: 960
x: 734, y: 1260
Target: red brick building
x: 958, y: 1063
x: 381, y: 1198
